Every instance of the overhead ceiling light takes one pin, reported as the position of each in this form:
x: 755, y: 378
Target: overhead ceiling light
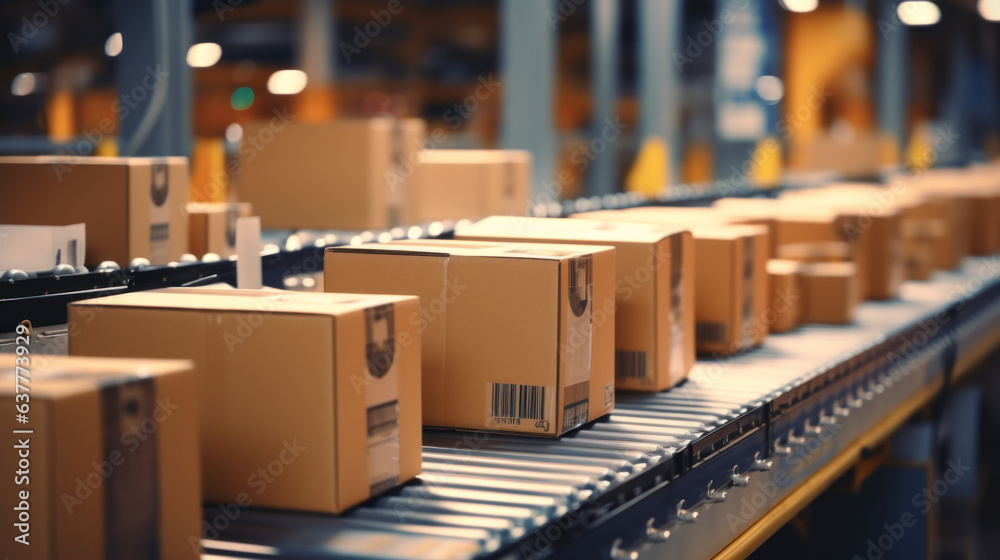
x: 113, y: 46
x: 770, y: 88
x: 918, y: 13
x: 234, y: 133
x: 800, y: 6
x: 989, y: 9
x: 26, y: 83
x: 287, y: 82
x: 203, y: 55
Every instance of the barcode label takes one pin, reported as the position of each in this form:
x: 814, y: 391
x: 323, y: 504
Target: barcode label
x: 748, y: 293
x: 710, y: 332
x: 383, y: 420
x: 383, y: 447
x: 575, y: 414
x: 631, y: 364
x: 525, y: 402
x: 677, y: 369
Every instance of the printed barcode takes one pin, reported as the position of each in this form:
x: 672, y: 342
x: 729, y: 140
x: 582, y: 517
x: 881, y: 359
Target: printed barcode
x: 710, y: 332
x: 575, y: 414
x: 748, y: 294
x: 383, y: 419
x: 630, y: 364
x: 511, y: 400
x: 159, y: 232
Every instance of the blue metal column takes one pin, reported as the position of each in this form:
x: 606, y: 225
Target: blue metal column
x: 605, y: 34
x: 316, y: 41
x: 893, y: 76
x: 659, y: 84
x: 527, y: 63
x: 154, y: 81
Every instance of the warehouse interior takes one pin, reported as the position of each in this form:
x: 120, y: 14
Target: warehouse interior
x: 498, y: 279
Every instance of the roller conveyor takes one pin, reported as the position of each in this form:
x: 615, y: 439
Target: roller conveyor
x: 671, y: 466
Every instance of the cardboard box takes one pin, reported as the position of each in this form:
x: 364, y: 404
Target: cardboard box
x: 110, y: 466
x: 828, y: 251
x: 855, y: 156
x: 789, y: 223
x: 984, y: 239
x: 322, y: 385
x: 950, y: 244
x: 830, y: 293
x: 683, y: 216
x: 731, y: 298
x: 730, y: 275
x: 132, y: 207
x: 784, y: 295
x: 922, y: 239
x: 516, y: 337
x: 343, y: 174
x: 212, y: 227
x: 461, y: 184
x: 977, y: 196
x: 926, y: 202
x: 882, y: 243
x: 654, y: 289
x: 873, y: 227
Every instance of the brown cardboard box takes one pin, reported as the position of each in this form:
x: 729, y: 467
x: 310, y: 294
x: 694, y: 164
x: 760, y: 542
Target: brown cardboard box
x: 654, y: 289
x: 212, y: 227
x: 321, y: 387
x: 928, y: 202
x: 731, y: 297
x: 517, y: 337
x: 984, y: 239
x: 827, y: 251
x: 133, y: 207
x: 109, y: 468
x: 921, y: 239
x: 730, y: 275
x: 830, y: 293
x: 977, y: 196
x: 788, y: 223
x: 856, y: 156
x: 872, y: 225
x: 682, y: 216
x: 881, y: 243
x: 784, y: 295
x: 951, y: 246
x: 346, y: 174
x: 460, y: 184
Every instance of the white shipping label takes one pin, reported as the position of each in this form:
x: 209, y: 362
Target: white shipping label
x: 676, y: 308
x: 382, y: 398
x: 579, y: 320
x: 159, y: 214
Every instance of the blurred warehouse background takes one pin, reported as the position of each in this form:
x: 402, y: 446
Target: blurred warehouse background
x: 607, y: 95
